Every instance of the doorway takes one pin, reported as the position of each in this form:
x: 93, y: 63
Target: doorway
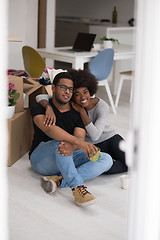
x: 42, y: 12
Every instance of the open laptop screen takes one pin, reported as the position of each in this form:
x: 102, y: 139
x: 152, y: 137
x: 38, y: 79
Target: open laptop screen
x: 83, y: 41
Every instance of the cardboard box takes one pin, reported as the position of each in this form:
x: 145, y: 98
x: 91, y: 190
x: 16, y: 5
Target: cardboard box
x: 32, y: 89
x: 20, y: 127
x: 47, y: 89
x: 18, y: 136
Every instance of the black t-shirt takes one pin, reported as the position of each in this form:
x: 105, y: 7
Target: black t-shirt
x: 65, y: 120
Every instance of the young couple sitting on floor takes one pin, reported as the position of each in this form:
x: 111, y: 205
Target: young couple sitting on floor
x: 69, y: 128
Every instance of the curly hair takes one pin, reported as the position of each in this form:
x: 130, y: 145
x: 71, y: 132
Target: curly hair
x: 83, y: 78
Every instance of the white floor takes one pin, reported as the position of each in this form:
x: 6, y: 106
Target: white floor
x: 35, y: 215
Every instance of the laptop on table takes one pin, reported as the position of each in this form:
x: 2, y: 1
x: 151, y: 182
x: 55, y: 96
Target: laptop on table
x: 82, y: 43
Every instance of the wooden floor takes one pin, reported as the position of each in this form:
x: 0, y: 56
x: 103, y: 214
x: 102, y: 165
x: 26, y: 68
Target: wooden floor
x: 35, y: 215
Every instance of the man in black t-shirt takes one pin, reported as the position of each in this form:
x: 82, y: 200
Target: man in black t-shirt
x: 59, y: 152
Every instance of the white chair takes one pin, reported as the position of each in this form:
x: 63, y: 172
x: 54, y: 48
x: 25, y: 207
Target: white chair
x: 101, y: 67
x: 124, y: 76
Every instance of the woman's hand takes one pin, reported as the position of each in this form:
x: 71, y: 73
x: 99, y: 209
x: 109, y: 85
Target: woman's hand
x: 76, y: 106
x: 50, y: 117
x: 65, y: 149
x: 88, y: 148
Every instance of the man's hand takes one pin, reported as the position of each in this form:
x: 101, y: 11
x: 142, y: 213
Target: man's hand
x: 88, y: 148
x: 50, y: 118
x: 65, y: 148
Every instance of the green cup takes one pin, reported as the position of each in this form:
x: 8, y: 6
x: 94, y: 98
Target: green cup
x: 97, y: 156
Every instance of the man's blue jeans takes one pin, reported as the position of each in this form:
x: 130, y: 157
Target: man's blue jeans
x: 75, y: 169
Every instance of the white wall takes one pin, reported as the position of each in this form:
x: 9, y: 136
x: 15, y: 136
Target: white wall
x: 23, y: 16
x: 22, y: 20
x: 95, y: 9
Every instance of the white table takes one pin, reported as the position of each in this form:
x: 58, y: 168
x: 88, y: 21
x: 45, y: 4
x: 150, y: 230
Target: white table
x: 79, y: 58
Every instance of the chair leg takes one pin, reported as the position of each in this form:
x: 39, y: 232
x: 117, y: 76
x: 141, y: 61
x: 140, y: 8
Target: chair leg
x: 119, y: 91
x: 110, y: 97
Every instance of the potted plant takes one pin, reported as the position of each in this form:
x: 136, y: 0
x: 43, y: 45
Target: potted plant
x: 108, y: 42
x: 13, y: 96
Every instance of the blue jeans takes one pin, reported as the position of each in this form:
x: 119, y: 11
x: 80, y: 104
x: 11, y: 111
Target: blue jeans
x: 75, y: 168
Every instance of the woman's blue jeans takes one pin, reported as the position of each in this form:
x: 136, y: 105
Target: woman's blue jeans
x: 75, y: 169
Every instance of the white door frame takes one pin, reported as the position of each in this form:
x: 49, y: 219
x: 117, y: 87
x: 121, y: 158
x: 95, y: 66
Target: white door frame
x: 50, y: 28
x: 144, y: 200
x: 3, y: 122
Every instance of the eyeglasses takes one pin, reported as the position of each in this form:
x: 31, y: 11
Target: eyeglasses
x: 64, y: 88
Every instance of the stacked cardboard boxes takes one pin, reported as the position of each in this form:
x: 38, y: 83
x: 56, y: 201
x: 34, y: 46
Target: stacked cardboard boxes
x: 20, y: 129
